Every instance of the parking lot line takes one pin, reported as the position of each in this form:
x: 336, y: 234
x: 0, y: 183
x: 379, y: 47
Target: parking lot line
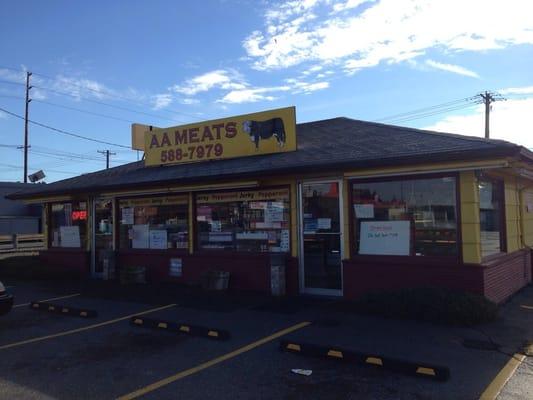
x: 52, y: 299
x: 495, y: 387
x: 526, y: 307
x: 214, y: 361
x: 85, y: 328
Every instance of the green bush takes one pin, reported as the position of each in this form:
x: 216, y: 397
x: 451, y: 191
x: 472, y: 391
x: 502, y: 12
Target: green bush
x: 428, y: 304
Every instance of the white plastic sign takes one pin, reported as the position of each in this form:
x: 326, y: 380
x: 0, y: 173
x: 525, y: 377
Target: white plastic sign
x: 364, y: 210
x: 158, y: 239
x: 70, y: 236
x: 385, y: 238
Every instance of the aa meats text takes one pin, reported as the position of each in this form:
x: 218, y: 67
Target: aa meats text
x: 193, y: 143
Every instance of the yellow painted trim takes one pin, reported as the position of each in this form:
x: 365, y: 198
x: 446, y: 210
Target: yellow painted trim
x: 374, y: 361
x: 82, y: 329
x: 492, y: 391
x: 335, y: 353
x: 295, y: 347
x: 346, y: 214
x: 425, y: 371
x: 191, y: 371
x: 502, y: 162
x: 294, y: 218
x: 182, y: 189
x: 191, y: 223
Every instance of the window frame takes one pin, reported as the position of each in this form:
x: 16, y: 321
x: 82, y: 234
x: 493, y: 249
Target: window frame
x: 431, y: 260
x: 182, y: 251
x: 499, y: 183
x: 49, y: 228
x: 198, y: 250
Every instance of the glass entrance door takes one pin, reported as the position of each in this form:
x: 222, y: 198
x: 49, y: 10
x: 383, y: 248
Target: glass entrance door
x: 321, y: 237
x: 102, y: 235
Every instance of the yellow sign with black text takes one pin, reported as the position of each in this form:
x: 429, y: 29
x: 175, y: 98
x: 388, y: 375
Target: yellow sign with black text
x: 266, y: 132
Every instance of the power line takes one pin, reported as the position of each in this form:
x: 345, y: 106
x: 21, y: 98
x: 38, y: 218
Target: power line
x: 431, y: 113
x: 84, y: 111
x: 106, y: 93
x: 105, y: 104
x: 426, y: 109
x: 63, y: 131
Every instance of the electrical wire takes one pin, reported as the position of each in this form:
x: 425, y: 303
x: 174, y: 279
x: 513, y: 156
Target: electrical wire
x: 64, y: 132
x: 436, y: 112
x: 427, y: 109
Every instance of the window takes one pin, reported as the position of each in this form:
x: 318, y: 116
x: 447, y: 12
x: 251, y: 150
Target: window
x: 491, y: 216
x: 68, y: 224
x: 412, y: 217
x: 255, y: 221
x: 159, y: 222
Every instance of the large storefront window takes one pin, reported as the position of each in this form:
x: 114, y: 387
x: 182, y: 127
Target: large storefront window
x: 411, y: 217
x: 68, y: 224
x: 159, y: 222
x: 490, y: 216
x: 256, y: 221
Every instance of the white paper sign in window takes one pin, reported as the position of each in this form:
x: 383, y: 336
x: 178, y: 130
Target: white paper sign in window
x: 127, y: 215
x: 158, y: 239
x: 364, y: 210
x: 70, y: 236
x: 141, y: 239
x: 385, y: 238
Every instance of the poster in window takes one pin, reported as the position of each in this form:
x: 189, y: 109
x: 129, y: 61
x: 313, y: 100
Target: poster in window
x: 176, y: 267
x: 364, y: 210
x: 385, y: 238
x: 70, y: 236
x: 127, y: 215
x: 141, y: 239
x: 323, y: 223
x: 274, y: 212
x: 158, y: 239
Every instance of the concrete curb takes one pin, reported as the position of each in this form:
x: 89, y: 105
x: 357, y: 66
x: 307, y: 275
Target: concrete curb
x: 179, y: 327
x: 63, y: 310
x: 423, y: 370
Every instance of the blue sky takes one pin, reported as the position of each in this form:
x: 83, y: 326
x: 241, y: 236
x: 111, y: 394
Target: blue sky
x: 167, y: 62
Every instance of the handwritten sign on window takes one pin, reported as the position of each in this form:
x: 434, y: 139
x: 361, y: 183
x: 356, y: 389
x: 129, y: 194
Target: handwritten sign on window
x: 385, y: 238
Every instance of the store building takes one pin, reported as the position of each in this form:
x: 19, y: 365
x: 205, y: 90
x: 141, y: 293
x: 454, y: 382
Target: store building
x: 347, y: 206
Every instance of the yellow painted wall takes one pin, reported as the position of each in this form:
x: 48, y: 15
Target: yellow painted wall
x: 45, y: 224
x: 470, y: 228
x: 512, y: 214
x: 527, y: 216
x: 346, y: 212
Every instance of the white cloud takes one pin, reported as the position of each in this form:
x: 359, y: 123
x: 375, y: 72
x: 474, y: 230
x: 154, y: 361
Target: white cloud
x: 509, y: 120
x: 456, y: 69
x: 189, y: 101
x: 222, y: 79
x: 252, y: 95
x: 299, y: 86
x: 518, y: 90
x: 161, y: 100
x: 367, y: 33
x: 347, y: 5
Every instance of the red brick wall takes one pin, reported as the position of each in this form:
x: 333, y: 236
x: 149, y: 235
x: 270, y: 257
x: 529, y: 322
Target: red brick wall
x: 364, y: 277
x: 505, y: 275
x: 248, y: 271
x: 66, y: 262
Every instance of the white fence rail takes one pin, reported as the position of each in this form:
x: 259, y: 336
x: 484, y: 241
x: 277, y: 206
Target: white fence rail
x: 22, y: 242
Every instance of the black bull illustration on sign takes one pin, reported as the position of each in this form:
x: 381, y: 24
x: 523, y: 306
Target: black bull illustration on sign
x: 265, y: 130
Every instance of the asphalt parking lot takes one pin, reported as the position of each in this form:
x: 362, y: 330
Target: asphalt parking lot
x: 47, y: 355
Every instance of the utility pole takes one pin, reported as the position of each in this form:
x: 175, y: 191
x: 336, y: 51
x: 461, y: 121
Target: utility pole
x: 107, y: 154
x: 28, y: 87
x: 488, y: 99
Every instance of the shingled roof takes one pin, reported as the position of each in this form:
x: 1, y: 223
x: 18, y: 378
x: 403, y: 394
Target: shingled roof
x: 330, y: 144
